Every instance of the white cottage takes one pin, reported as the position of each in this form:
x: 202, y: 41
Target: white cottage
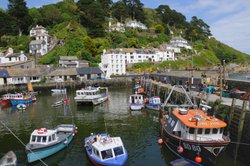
x: 135, y: 24
x: 9, y: 56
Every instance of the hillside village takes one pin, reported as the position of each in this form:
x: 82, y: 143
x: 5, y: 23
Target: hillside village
x: 69, y: 50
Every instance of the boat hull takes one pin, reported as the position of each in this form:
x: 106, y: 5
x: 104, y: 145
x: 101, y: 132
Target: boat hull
x: 20, y: 101
x: 92, y: 101
x: 5, y: 101
x: 48, y: 151
x: 136, y: 107
x: 153, y: 107
x: 208, y: 151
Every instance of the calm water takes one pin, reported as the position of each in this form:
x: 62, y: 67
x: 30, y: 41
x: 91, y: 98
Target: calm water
x: 139, y: 131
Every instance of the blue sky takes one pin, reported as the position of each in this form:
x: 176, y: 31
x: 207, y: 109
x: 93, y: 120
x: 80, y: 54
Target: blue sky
x: 229, y: 20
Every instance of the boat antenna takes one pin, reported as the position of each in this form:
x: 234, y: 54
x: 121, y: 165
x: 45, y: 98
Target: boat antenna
x: 106, y: 128
x: 21, y: 141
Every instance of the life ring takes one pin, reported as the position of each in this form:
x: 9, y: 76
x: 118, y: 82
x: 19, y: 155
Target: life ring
x: 42, y: 131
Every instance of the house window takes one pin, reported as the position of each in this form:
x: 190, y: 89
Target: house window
x: 9, y: 58
x: 131, y: 57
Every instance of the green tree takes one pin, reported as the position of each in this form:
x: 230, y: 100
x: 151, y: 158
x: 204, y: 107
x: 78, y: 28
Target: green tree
x: 36, y: 16
x: 159, y: 28
x: 92, y: 16
x: 18, y: 10
x: 51, y: 15
x: 9, y: 28
x: 120, y: 11
x: 90, y: 45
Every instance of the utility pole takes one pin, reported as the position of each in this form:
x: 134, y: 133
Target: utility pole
x: 224, y: 77
x: 220, y: 68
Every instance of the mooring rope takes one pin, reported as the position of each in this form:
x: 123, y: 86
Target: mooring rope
x: 241, y: 143
x: 21, y: 141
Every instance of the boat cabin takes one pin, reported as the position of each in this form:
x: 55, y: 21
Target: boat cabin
x: 43, y: 136
x: 136, y: 99
x: 91, y: 91
x: 13, y: 96
x: 108, y: 148
x: 155, y: 100
x: 194, y: 125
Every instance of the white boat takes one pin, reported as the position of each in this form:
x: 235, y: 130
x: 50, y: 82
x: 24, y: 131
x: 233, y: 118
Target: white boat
x: 9, y: 159
x: 59, y: 91
x: 21, y: 106
x: 92, y: 95
x: 154, y: 103
x: 58, y: 103
x: 136, y: 102
x: 105, y: 150
x: 46, y: 142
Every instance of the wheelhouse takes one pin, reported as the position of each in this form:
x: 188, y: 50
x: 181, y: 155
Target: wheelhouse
x: 43, y: 136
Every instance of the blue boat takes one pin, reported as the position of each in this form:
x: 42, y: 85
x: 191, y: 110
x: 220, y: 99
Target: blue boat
x: 46, y: 142
x: 136, y: 102
x: 105, y: 150
x: 183, y: 162
x: 21, y: 101
x: 154, y: 103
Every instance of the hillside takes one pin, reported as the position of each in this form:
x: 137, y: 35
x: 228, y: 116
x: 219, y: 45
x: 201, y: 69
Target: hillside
x: 81, y: 29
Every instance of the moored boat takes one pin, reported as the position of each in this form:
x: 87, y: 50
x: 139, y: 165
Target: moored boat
x: 9, y: 159
x: 23, y: 100
x: 5, y: 100
x: 46, y: 142
x: 192, y: 134
x: 136, y: 102
x: 154, y: 103
x: 92, y: 95
x: 105, y: 150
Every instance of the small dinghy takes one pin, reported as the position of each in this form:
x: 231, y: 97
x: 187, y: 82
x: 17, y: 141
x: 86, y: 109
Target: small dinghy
x: 9, y: 159
x: 58, y: 103
x: 21, y: 106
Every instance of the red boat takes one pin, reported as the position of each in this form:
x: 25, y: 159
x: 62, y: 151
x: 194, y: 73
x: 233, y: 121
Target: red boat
x: 9, y: 96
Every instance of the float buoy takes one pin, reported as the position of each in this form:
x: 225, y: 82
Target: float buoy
x: 41, y: 130
x: 180, y: 149
x: 160, y: 141
x: 198, y: 159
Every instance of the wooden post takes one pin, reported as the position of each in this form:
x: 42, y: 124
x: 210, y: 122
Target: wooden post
x: 240, y: 128
x: 231, y: 115
x: 220, y: 83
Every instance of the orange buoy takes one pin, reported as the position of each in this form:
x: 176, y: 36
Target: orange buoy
x: 198, y: 159
x: 180, y: 149
x: 160, y: 141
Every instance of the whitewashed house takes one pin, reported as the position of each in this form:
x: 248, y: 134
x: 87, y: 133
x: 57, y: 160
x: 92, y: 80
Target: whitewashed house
x: 23, y: 76
x: 135, y: 24
x: 9, y: 56
x: 180, y: 42
x: 170, y: 47
x: 40, y: 42
x: 120, y: 27
x: 115, y: 61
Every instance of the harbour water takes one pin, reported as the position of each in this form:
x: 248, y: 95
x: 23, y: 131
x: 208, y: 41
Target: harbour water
x: 138, y: 130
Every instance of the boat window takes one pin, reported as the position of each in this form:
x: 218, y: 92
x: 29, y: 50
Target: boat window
x: 39, y: 138
x: 172, y: 123
x: 118, y: 150
x: 106, y: 154
x: 191, y: 130
x: 207, y: 131
x: 78, y: 93
x: 33, y: 138
x: 53, y: 137
x: 221, y: 130
x: 215, y: 131
x: 44, y: 139
x: 199, y: 131
x: 49, y: 138
x: 96, y: 152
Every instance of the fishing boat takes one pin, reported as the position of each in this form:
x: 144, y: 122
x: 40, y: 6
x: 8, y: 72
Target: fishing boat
x: 154, y: 103
x: 9, y: 159
x: 23, y: 100
x: 46, y: 142
x: 136, y: 102
x: 105, y: 150
x: 5, y: 100
x: 92, y: 95
x: 189, y: 132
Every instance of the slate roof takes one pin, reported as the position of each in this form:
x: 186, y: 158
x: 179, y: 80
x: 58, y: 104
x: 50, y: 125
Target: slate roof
x: 24, y: 72
x: 3, y: 73
x: 33, y: 42
x: 88, y: 70
x: 66, y: 58
x: 63, y: 72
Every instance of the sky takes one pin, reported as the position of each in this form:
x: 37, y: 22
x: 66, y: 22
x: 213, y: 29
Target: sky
x: 229, y: 20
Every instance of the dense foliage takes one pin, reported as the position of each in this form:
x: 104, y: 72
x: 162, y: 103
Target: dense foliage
x: 81, y: 29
